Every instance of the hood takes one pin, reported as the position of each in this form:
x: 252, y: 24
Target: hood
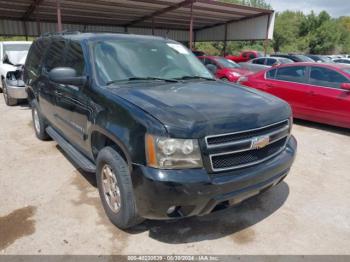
x: 16, y: 57
x: 194, y: 109
x: 241, y: 71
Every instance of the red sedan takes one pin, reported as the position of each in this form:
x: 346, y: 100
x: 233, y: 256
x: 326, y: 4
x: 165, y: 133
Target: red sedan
x: 316, y: 92
x: 224, y: 69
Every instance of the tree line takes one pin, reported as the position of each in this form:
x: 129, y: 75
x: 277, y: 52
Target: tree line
x: 295, y: 32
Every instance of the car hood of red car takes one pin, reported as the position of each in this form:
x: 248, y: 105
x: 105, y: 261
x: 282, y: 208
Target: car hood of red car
x: 241, y: 71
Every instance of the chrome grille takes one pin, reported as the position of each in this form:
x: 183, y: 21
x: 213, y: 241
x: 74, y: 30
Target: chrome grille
x: 246, y: 148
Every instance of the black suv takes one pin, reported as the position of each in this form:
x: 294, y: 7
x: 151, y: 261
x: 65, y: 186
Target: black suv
x: 164, y: 137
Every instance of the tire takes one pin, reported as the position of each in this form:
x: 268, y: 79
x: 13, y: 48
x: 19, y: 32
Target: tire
x: 121, y: 212
x: 8, y: 100
x: 225, y: 79
x: 39, y: 123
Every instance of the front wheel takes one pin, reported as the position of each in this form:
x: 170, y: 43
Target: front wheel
x: 8, y: 100
x: 115, y: 188
x: 39, y: 124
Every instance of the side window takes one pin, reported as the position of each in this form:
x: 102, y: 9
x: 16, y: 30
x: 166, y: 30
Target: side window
x: 54, y: 56
x: 252, y: 55
x: 292, y: 74
x: 34, y: 59
x: 271, y: 74
x: 245, y: 55
x: 75, y: 58
x: 326, y: 77
x: 270, y: 61
x: 259, y: 61
x: 210, y: 62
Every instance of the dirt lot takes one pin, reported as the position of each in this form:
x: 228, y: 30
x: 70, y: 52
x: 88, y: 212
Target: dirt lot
x: 48, y: 207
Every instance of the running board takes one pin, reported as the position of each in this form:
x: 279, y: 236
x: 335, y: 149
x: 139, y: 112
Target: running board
x: 82, y: 161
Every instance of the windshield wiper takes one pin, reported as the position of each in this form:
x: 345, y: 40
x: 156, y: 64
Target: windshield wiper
x: 142, y: 79
x: 195, y: 77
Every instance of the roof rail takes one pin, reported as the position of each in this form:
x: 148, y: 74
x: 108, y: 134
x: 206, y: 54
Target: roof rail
x: 65, y: 32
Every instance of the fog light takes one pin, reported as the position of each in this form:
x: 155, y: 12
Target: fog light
x: 171, y: 210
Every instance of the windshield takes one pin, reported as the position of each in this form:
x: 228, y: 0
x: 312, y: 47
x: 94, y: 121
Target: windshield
x: 16, y: 47
x: 226, y: 63
x: 132, y: 59
x: 346, y: 69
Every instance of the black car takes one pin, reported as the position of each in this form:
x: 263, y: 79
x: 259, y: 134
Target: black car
x: 294, y: 57
x: 320, y: 58
x: 165, y: 139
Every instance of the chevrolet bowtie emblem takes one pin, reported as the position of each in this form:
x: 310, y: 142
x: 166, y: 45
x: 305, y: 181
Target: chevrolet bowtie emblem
x: 260, y: 142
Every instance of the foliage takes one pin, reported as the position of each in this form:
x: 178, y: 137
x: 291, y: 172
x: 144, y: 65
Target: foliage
x: 294, y: 32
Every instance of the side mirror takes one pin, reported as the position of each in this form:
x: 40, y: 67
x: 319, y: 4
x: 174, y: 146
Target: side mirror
x: 345, y: 86
x: 66, y: 76
x: 212, y: 68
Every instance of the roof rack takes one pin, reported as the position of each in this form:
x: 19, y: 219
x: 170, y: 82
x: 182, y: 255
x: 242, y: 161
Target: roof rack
x: 65, y: 32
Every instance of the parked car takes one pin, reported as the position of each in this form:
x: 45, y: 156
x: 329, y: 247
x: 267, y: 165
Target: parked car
x: 316, y: 92
x: 223, y: 68
x: 12, y: 58
x: 342, y: 60
x: 320, y: 58
x: 294, y: 57
x: 198, y: 53
x: 164, y: 137
x: 262, y: 63
x: 244, y: 56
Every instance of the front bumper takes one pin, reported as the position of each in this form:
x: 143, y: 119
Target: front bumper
x: 17, y: 92
x: 195, y: 192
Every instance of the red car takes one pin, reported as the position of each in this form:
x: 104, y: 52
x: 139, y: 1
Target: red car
x: 224, y: 69
x: 244, y: 56
x: 316, y: 92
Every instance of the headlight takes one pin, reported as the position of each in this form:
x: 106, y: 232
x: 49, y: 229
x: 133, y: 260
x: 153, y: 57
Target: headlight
x: 171, y: 153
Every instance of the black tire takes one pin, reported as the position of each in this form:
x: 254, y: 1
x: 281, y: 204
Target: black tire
x: 40, y: 131
x: 8, y: 100
x: 126, y: 216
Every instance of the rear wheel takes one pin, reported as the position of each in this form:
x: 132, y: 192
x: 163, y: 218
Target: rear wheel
x: 39, y: 124
x: 115, y: 188
x: 8, y: 100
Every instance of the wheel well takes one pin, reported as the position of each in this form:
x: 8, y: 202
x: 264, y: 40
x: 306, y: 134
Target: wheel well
x: 99, y: 141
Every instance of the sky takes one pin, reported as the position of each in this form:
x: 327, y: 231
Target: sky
x: 335, y: 8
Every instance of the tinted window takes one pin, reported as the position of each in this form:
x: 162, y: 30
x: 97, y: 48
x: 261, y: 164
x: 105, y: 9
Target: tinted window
x: 271, y: 74
x: 54, y: 57
x: 75, y: 58
x: 326, y: 77
x: 271, y: 61
x: 251, y: 56
x: 292, y: 74
x: 34, y: 58
x: 259, y: 61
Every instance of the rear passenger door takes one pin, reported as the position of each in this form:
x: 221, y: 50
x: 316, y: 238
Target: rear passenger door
x: 328, y: 102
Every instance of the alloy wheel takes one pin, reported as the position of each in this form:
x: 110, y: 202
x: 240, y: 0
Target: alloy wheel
x: 111, y: 189
x: 36, y: 121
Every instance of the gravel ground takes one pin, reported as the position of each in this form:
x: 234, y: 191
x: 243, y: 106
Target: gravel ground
x: 47, y: 206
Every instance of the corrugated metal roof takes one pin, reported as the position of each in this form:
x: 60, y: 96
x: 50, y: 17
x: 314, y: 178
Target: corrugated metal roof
x: 169, y: 17
x: 168, y: 14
